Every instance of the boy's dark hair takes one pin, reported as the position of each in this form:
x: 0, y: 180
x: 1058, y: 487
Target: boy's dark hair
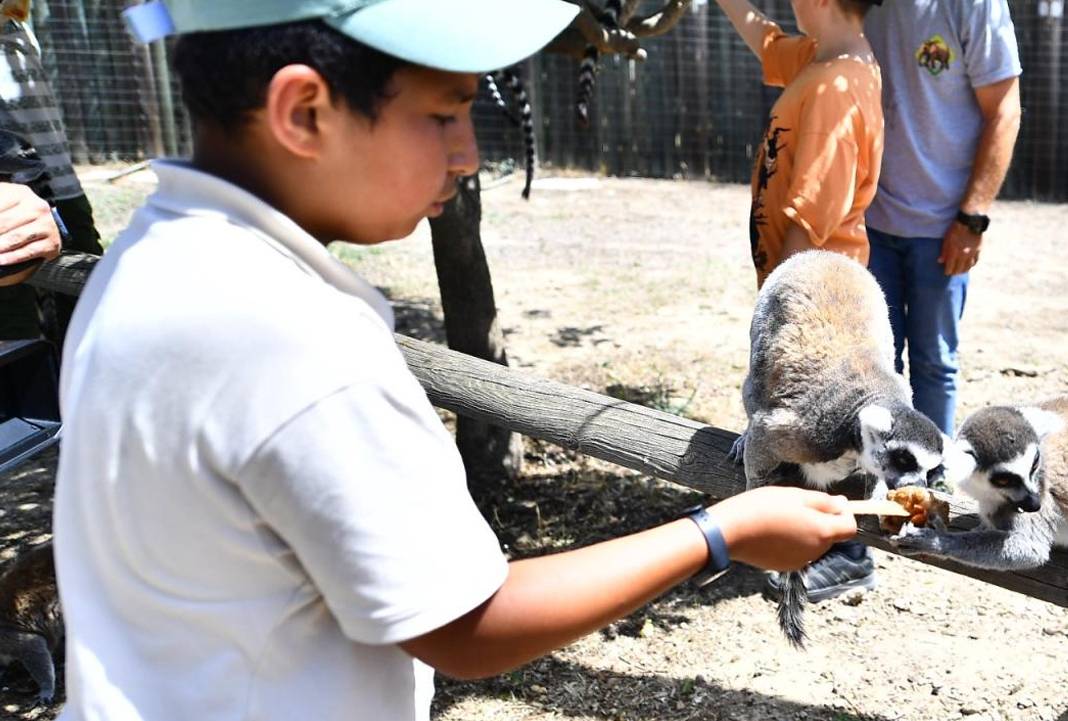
x: 225, y: 74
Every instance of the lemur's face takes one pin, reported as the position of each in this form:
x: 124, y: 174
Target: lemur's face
x: 384, y: 176
x: 900, y: 448
x: 1014, y: 481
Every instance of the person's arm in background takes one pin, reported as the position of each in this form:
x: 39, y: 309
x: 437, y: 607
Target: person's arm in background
x: 27, y: 231
x: 796, y: 241
x: 751, y: 24
x: 1000, y: 106
x: 550, y: 601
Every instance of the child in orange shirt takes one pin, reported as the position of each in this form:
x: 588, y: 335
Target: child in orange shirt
x: 818, y: 167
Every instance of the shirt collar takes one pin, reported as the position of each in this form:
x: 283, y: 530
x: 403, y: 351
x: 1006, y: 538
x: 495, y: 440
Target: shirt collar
x: 185, y: 190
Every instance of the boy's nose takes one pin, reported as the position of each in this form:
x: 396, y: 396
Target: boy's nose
x: 463, y: 154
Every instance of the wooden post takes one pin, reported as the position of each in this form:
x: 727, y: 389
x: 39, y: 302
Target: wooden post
x: 489, y: 452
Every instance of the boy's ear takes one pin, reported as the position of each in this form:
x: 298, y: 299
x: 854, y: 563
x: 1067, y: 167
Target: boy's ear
x: 297, y: 101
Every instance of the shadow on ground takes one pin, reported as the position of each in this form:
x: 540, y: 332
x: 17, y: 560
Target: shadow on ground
x: 571, y: 690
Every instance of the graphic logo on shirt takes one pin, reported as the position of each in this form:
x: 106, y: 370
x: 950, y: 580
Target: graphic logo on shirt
x: 935, y: 55
x: 767, y: 166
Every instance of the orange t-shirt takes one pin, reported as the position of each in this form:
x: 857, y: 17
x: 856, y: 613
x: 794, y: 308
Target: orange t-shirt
x: 818, y: 165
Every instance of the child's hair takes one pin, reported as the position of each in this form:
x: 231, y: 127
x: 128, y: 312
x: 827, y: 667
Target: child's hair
x: 858, y: 8
x: 225, y: 74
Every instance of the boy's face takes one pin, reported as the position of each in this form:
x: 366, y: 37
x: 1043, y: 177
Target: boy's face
x: 802, y: 14
x: 384, y: 176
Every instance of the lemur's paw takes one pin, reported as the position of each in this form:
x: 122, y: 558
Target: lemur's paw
x: 913, y: 540
x: 737, y: 451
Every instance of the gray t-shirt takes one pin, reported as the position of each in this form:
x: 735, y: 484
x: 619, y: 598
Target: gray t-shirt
x: 933, y: 54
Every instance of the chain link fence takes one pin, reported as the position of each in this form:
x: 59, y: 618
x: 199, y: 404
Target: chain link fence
x: 694, y: 109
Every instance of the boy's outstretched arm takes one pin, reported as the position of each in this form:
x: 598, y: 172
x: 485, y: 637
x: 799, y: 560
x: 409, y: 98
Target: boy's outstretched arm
x: 751, y: 24
x: 550, y: 601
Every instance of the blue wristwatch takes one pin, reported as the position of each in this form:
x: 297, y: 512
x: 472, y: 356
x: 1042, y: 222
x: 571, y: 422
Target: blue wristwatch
x: 719, y: 559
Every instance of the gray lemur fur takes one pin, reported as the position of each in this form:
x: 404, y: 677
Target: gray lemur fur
x: 1017, y: 471
x: 822, y: 393
x: 31, y: 625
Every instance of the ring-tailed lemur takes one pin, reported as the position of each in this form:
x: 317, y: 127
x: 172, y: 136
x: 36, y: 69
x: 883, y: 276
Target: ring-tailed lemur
x: 822, y: 394
x: 611, y: 17
x: 1018, y: 474
x: 31, y: 625
x: 510, y: 76
x: 498, y: 99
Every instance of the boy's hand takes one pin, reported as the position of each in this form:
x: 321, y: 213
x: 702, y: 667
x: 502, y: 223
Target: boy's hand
x: 27, y: 230
x: 782, y: 529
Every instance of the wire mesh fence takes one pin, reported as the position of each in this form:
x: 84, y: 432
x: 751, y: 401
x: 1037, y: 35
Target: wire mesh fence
x: 694, y: 109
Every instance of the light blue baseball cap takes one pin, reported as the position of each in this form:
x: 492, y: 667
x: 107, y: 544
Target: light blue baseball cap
x: 454, y: 35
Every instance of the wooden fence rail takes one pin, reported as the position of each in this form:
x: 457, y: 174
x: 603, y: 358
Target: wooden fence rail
x: 643, y: 439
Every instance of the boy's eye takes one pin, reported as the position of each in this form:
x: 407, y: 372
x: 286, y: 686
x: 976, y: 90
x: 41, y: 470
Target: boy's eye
x: 444, y: 119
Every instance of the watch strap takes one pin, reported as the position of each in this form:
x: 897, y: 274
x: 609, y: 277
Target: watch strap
x: 977, y: 222
x: 719, y: 559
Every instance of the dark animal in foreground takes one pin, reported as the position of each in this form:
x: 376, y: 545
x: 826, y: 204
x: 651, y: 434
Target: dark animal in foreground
x: 31, y: 624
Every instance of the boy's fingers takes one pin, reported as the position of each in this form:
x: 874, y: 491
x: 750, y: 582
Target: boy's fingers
x: 827, y: 503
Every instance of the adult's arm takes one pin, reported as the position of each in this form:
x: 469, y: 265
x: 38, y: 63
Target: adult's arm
x: 547, y: 602
x: 1000, y: 105
x: 751, y: 24
x: 28, y: 231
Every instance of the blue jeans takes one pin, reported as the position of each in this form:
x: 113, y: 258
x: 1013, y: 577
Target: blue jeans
x: 926, y: 307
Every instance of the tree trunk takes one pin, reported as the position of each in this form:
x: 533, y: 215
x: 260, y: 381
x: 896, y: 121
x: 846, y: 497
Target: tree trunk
x: 490, y: 453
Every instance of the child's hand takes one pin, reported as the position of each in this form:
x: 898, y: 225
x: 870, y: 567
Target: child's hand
x: 782, y: 529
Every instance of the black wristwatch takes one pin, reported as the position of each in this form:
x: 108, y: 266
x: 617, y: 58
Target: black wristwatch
x: 719, y: 559
x: 977, y: 223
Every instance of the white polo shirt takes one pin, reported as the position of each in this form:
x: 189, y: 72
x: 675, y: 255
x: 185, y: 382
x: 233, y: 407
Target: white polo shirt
x: 255, y: 500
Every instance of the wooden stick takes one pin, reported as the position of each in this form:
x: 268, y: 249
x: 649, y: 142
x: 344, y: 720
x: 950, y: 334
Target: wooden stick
x: 878, y: 508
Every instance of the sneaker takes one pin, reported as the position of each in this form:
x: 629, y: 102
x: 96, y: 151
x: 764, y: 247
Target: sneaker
x: 846, y: 567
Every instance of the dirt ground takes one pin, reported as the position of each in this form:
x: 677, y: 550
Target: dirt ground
x: 644, y: 288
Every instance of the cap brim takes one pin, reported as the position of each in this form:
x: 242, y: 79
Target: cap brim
x: 465, y: 36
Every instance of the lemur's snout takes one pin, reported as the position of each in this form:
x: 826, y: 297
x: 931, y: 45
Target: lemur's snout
x: 1031, y: 503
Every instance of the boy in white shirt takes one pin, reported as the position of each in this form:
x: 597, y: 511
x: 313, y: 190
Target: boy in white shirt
x: 258, y: 513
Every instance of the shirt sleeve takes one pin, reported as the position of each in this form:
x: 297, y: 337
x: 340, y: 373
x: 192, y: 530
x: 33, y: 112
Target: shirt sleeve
x: 784, y: 56
x: 825, y: 170
x: 991, y: 53
x: 368, y: 490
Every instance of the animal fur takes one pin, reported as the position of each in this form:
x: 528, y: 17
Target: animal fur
x: 1018, y: 475
x: 822, y: 394
x: 31, y: 624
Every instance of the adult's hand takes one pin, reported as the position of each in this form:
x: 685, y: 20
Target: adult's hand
x: 28, y: 232
x: 960, y: 249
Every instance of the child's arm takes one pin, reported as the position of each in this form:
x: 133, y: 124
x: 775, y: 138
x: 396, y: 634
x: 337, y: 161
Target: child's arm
x: 796, y: 241
x: 550, y: 601
x: 751, y: 24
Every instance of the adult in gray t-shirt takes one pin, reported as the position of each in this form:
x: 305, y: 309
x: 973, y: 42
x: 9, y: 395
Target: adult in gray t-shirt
x: 952, y: 107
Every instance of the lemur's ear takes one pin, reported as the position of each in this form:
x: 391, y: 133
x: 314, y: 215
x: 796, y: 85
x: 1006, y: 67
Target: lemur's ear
x: 1044, y: 422
x: 958, y: 460
x: 875, y: 420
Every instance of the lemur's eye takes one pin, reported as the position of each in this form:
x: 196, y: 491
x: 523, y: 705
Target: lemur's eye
x: 1037, y: 461
x: 903, y: 461
x: 1004, y: 480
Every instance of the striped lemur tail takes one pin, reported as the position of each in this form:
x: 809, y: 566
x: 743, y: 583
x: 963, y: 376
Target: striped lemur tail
x: 792, y: 608
x: 609, y: 17
x: 495, y: 94
x: 510, y: 77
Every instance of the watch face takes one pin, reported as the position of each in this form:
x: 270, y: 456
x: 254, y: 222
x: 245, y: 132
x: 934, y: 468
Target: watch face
x: 976, y: 223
